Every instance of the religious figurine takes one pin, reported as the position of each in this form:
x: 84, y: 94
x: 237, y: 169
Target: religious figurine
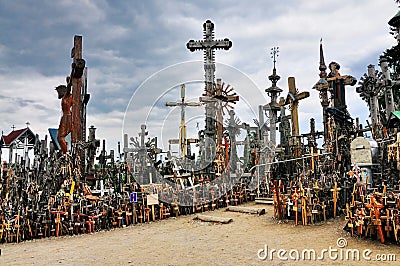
x: 65, y: 127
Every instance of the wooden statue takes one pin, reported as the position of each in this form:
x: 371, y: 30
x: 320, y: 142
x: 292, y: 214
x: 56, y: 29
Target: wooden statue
x: 65, y: 127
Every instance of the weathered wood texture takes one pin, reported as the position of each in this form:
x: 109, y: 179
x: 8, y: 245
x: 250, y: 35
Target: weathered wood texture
x: 258, y: 211
x: 215, y: 219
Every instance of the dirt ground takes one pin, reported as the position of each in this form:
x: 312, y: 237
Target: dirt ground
x: 184, y: 241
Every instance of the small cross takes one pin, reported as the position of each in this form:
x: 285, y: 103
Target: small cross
x: 13, y: 127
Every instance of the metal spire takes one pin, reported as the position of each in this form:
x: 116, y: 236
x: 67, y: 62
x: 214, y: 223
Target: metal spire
x: 274, y: 54
x: 274, y: 77
x: 322, y: 66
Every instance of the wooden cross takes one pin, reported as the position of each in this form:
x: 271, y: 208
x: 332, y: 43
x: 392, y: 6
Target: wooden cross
x: 396, y: 227
x: 388, y: 227
x: 394, y: 151
x: 376, y: 207
x: 17, y: 225
x: 295, y: 198
x: 76, y: 54
x: 337, y: 85
x: 293, y: 98
x: 303, y: 205
x: 57, y: 219
x: 335, y: 194
x: 277, y: 199
x: 350, y: 219
x: 182, y: 134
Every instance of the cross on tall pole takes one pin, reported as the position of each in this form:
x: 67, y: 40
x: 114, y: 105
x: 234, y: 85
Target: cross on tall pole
x: 182, y: 134
x: 337, y: 85
x: 78, y: 66
x: 273, y: 92
x: 369, y: 90
x: 387, y: 86
x: 293, y: 98
x: 209, y: 45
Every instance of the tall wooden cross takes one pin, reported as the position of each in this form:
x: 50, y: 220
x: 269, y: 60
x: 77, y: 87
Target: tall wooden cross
x: 78, y: 65
x: 293, y: 98
x: 209, y: 45
x: 182, y: 134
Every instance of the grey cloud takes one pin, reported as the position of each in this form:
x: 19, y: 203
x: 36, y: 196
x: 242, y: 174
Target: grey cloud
x: 125, y: 42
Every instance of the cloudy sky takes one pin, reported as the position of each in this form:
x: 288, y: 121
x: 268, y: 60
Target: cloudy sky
x: 136, y: 52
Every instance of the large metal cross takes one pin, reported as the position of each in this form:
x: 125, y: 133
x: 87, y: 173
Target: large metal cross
x: 209, y: 45
x: 182, y: 104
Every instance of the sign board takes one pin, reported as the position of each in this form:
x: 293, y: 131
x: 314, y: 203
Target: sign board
x: 152, y: 199
x: 133, y: 197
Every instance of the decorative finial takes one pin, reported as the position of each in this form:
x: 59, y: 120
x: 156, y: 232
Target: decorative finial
x: 274, y: 77
x: 322, y: 66
x: 274, y: 54
x: 27, y: 124
x: 274, y: 91
x: 13, y: 127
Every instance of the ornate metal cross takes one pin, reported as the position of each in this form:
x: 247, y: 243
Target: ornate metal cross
x: 209, y: 45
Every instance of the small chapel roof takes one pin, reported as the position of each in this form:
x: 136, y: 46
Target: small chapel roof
x: 18, y: 135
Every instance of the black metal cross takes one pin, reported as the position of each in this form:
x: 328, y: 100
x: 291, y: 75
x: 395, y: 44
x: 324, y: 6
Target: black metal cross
x: 209, y: 45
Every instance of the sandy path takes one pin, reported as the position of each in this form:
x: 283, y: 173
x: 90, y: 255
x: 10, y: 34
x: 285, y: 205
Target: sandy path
x: 183, y: 241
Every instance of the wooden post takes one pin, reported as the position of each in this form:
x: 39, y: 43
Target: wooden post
x: 293, y: 98
x: 335, y: 194
x: 295, y: 198
x: 76, y: 94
